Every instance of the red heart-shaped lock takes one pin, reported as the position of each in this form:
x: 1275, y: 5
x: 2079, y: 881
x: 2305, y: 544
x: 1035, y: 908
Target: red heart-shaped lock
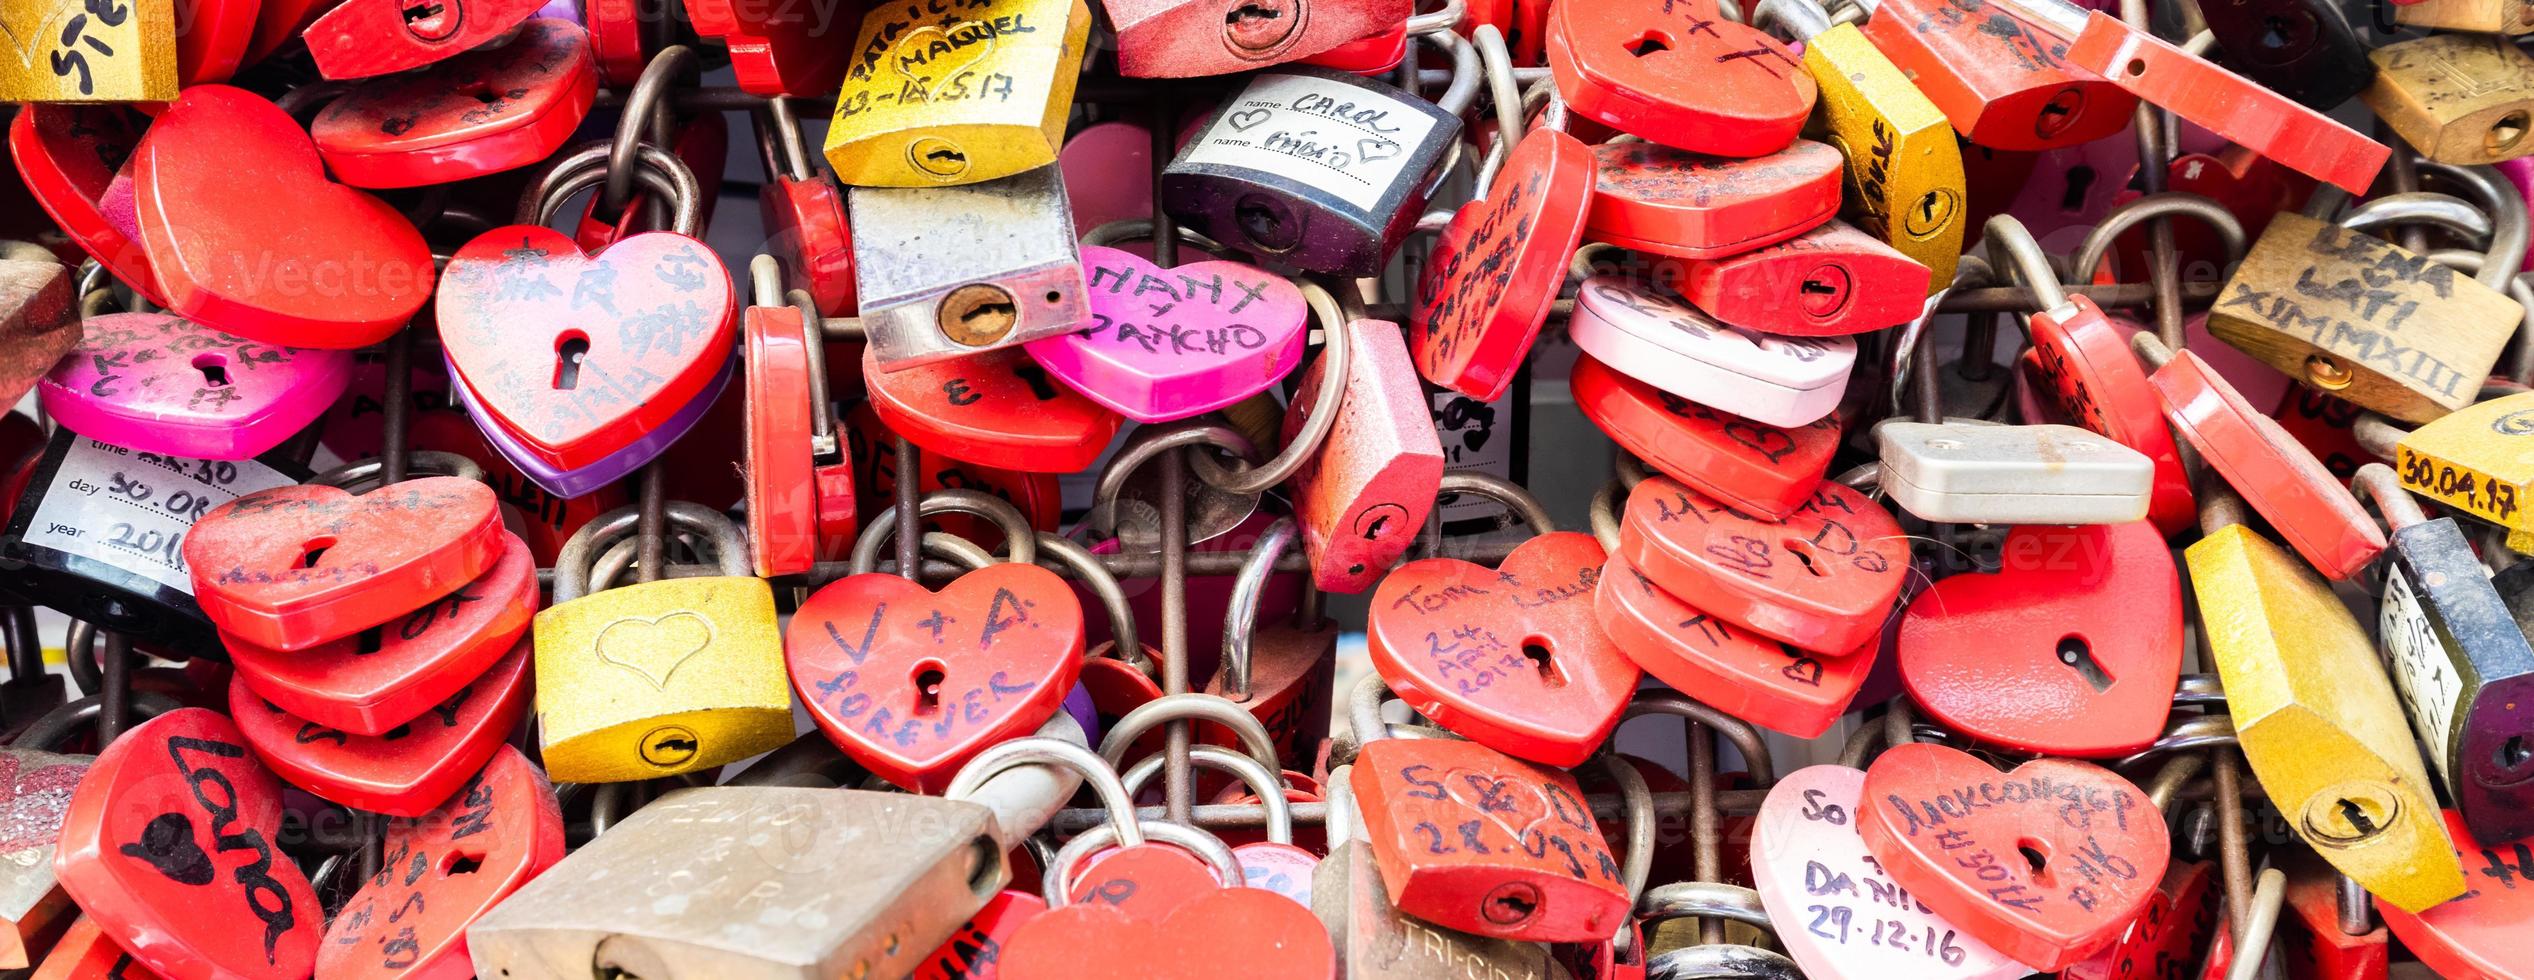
x: 211, y: 38
x: 805, y: 227
x: 1679, y: 73
x: 1147, y: 881
x: 170, y: 845
x: 361, y: 38
x: 2078, y: 622
x: 912, y: 682
x: 1469, y: 838
x: 68, y: 155
x: 2167, y: 935
x: 274, y: 251
x: 293, y: 567
x: 1658, y: 199
x: 390, y: 674
x: 480, y: 112
x: 409, y: 769
x: 2101, y: 384
x: 2046, y: 863
x: 1758, y: 680
x: 1512, y: 656
x: 442, y: 871
x: 1246, y: 930
x: 1823, y: 579
x: 2275, y: 474
x: 1841, y: 280
x: 1751, y: 466
x: 579, y: 355
x: 1808, y: 862
x: 974, y: 951
x: 2482, y: 933
x: 997, y: 409
x: 779, y: 49
x: 1499, y: 265
x: 782, y: 508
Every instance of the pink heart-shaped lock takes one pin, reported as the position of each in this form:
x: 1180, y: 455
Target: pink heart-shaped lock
x: 1165, y: 344
x: 1840, y: 915
x: 160, y: 383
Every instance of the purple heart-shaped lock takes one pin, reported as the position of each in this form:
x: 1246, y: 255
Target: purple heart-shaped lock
x: 609, y: 468
x: 160, y: 383
x: 1165, y: 344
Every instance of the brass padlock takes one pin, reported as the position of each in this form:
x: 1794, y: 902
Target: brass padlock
x: 2364, y: 319
x: 2476, y: 460
x: 39, y: 322
x: 85, y: 51
x: 948, y: 271
x: 2458, y: 98
x: 663, y: 677
x: 955, y: 93
x: 2479, y: 16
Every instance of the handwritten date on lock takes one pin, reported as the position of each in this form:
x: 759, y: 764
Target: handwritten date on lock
x: 1755, y: 556
x: 407, y: 867
x: 938, y: 715
x: 1494, y: 799
x: 1837, y: 921
x: 2079, y: 806
x: 167, y: 842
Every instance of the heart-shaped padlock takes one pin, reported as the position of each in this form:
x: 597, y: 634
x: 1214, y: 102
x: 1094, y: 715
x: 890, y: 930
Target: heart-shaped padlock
x: 1842, y: 280
x: 776, y: 457
x: 780, y: 49
x: 2173, y: 930
x: 390, y: 674
x: 1839, y: 914
x: 2078, y: 621
x: 1750, y: 466
x: 406, y: 770
x: 1679, y: 73
x: 1766, y: 683
x: 293, y: 567
x: 165, y: 384
x: 1510, y: 656
x: 1264, y: 933
x: 975, y: 950
x: 912, y: 682
x: 623, y: 339
x: 649, y: 445
x: 2482, y: 933
x: 1146, y: 881
x: 1823, y: 579
x: 2095, y: 378
x: 1667, y: 343
x: 444, y: 869
x: 68, y: 156
x: 2046, y: 863
x: 479, y: 112
x: 998, y: 408
x: 804, y: 220
x: 1165, y: 344
x: 171, y: 845
x: 1499, y: 265
x: 1657, y: 199
x: 362, y: 38
x: 273, y: 252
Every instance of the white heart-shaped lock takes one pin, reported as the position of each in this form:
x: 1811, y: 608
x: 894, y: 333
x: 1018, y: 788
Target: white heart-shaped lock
x: 1657, y: 338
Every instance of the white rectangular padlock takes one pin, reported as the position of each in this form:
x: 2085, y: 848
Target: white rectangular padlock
x: 1972, y: 472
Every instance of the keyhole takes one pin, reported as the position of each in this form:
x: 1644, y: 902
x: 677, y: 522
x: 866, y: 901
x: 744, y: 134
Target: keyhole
x: 2079, y: 656
x: 928, y: 678
x: 569, y: 350
x: 2357, y: 817
x: 1650, y: 44
x: 313, y: 550
x: 2513, y: 753
x: 1259, y: 28
x: 370, y: 640
x: 1250, y: 12
x: 1264, y: 222
x: 2274, y: 34
x: 977, y: 314
x: 2033, y: 856
x: 427, y: 20
x: 1803, y: 552
x: 214, y: 368
x: 1540, y: 661
x: 461, y: 864
x: 2059, y: 113
x: 2506, y: 132
x: 398, y: 732
x: 2080, y: 179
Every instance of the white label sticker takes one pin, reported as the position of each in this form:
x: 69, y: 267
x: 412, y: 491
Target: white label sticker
x: 1339, y: 138
x: 131, y: 509
x: 2427, y: 680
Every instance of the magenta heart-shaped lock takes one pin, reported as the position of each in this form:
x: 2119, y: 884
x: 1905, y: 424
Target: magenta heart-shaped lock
x: 1166, y: 344
x: 161, y: 383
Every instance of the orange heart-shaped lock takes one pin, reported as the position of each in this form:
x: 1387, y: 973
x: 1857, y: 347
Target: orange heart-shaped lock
x: 442, y: 871
x: 1510, y: 656
x: 170, y: 845
x: 68, y: 156
x: 1761, y: 681
x: 581, y: 355
x: 406, y: 770
x: 477, y: 113
x: 2276, y: 474
x: 1248, y: 930
x: 2482, y: 933
x: 1658, y: 199
x: 998, y: 408
x: 361, y: 38
x: 2167, y: 936
x: 273, y: 252
x: 1499, y: 265
x: 1750, y: 466
x: 911, y: 682
x: 292, y: 567
x: 2099, y: 383
x: 2045, y: 864
x: 1823, y: 579
x: 2077, y: 622
x: 1472, y: 839
x: 390, y: 674
x: 1679, y: 73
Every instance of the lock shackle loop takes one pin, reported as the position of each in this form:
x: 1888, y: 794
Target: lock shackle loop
x: 1629, y: 469
x: 2419, y: 208
x: 787, y: 150
x: 1259, y: 779
x: 2376, y: 434
x: 2509, y: 232
x: 2378, y: 482
x: 1462, y: 93
x: 1147, y: 444
x: 1581, y: 265
x: 1722, y: 961
x: 1240, y: 618
x: 578, y: 557
x: 643, y: 107
x: 1755, y: 751
x: 25, y: 647
x: 1704, y: 900
x: 2025, y: 261
x: 1336, y: 343
x: 1020, y: 540
x: 661, y: 173
x: 1636, y: 809
x: 2165, y: 788
x: 1444, y: 18
x: 1192, y: 706
x: 1218, y: 856
x: 2261, y: 925
x: 2220, y: 506
x: 50, y: 729
x: 1142, y: 230
x: 1521, y: 506
x: 363, y: 476
x: 2199, y: 689
x: 2163, y: 204
x: 1056, y: 549
x: 1909, y: 368
x: 1339, y: 823
x: 1063, y: 755
x: 1604, y: 514
x: 2151, y: 350
x: 1505, y: 97
x: 2187, y: 733
x: 1363, y: 711
x: 1791, y: 20
x: 765, y: 280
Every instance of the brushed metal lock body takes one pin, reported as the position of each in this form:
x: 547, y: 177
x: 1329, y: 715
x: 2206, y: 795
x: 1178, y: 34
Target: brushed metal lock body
x: 949, y: 271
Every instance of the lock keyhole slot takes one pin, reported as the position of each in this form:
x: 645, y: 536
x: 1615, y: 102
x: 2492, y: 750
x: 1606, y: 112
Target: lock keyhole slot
x: 460, y: 864
x: 1803, y: 552
x: 1550, y: 674
x: 2080, y: 179
x: 2506, y: 133
x: 978, y: 314
x: 214, y: 368
x: 2350, y: 813
x: 2060, y: 112
x: 1266, y: 223
x: 369, y: 641
x: 315, y: 549
x: 1260, y: 27
x: 929, y: 676
x: 570, y: 350
x: 1652, y: 43
x: 2078, y: 655
x: 2513, y: 754
x: 432, y: 20
x: 2036, y: 858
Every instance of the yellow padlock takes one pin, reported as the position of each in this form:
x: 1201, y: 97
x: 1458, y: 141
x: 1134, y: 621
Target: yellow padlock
x: 957, y: 91
x: 662, y: 677
x: 2318, y: 720
x: 2481, y: 16
x: 2457, y: 98
x: 88, y: 50
x: 1904, y: 165
x: 2479, y: 460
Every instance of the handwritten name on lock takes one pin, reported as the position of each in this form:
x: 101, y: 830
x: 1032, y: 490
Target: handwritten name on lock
x: 659, y: 299
x: 161, y: 359
x: 1186, y: 311
x: 1772, y: 444
x: 1511, y: 813
x: 1721, y: 640
x: 931, y: 53
x: 2352, y: 294
x: 1334, y: 127
x: 863, y: 664
x: 1755, y: 556
x: 2042, y: 800
x: 1480, y: 269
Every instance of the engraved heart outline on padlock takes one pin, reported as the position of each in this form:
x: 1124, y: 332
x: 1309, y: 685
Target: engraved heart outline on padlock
x: 647, y: 668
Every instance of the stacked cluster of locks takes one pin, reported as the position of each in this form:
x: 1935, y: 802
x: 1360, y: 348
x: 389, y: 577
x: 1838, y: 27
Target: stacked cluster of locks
x: 368, y: 347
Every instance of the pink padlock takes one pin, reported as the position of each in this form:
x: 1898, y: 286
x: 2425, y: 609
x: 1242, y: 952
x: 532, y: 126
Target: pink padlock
x: 160, y: 383
x: 1165, y: 344
x: 1362, y: 498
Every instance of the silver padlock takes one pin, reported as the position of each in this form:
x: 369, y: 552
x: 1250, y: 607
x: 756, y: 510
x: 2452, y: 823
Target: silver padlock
x: 948, y: 271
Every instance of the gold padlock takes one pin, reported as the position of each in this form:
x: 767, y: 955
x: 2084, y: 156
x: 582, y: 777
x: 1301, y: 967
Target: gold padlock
x: 662, y: 677
x: 2363, y: 319
x: 2458, y: 98
x: 2317, y: 718
x: 957, y: 91
x: 2479, y: 460
x: 1904, y: 166
x: 88, y: 50
x: 2480, y: 16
